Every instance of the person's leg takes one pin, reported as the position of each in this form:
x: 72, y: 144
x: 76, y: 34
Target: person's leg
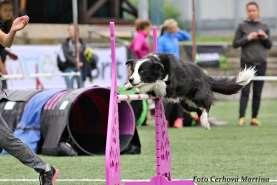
x: 169, y: 114
x: 244, y: 96
x: 77, y: 79
x: 80, y: 82
x: 257, y: 90
x: 4, y: 84
x: 69, y: 80
x: 19, y: 150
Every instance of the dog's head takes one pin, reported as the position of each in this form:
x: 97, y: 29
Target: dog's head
x: 146, y: 70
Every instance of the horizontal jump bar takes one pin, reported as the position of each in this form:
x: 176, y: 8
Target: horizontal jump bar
x: 265, y: 78
x: 134, y: 97
x: 36, y: 75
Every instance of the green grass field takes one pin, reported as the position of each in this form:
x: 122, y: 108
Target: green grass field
x: 223, y: 151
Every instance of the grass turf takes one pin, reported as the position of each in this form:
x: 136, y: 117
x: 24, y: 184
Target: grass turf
x: 223, y: 151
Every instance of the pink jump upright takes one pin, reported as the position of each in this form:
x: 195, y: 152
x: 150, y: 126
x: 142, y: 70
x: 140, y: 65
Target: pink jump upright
x: 163, y: 153
x: 112, y: 142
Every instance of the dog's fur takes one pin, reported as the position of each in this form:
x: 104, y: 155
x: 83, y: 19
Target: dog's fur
x: 163, y: 75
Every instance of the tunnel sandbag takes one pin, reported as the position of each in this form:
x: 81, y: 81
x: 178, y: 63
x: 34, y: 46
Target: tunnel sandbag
x: 28, y: 129
x: 53, y: 121
x: 80, y: 118
x: 12, y: 105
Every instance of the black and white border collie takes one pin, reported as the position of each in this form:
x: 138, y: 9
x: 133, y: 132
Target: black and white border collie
x: 185, y: 83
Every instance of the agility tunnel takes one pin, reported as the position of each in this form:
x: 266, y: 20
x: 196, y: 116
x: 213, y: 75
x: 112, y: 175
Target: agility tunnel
x: 80, y: 117
x: 70, y: 122
x: 12, y: 105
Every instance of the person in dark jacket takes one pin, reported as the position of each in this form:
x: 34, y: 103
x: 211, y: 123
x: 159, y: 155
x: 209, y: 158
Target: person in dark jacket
x: 253, y: 37
x: 68, y: 48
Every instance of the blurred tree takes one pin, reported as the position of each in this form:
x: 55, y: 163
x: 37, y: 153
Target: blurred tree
x: 156, y: 12
x: 171, y: 12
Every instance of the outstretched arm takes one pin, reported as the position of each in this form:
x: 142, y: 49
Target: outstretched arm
x: 183, y: 36
x: 18, y: 24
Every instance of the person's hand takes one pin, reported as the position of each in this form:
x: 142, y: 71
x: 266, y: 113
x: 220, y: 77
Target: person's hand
x: 13, y: 56
x: 4, y: 72
x: 19, y: 23
x: 252, y: 35
x: 80, y: 65
x: 262, y: 34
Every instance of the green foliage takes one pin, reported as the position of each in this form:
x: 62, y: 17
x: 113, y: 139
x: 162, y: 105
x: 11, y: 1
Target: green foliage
x: 171, y: 12
x: 223, y: 62
x: 134, y: 2
x: 214, y: 38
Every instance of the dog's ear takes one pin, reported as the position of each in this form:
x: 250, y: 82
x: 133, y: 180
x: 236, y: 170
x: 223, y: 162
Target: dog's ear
x: 130, y: 66
x: 167, y: 60
x: 130, y: 62
x: 153, y: 57
x: 158, y: 69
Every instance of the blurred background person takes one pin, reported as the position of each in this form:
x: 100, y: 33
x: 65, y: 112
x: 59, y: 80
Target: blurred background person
x: 90, y: 64
x: 139, y: 45
x: 140, y: 48
x: 6, y: 19
x: 253, y: 36
x: 70, y: 64
x: 170, y: 37
x: 22, y: 7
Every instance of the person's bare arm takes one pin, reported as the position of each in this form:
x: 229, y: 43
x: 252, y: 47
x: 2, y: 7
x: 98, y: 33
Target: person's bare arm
x: 6, y: 40
x: 3, y: 70
x: 19, y: 23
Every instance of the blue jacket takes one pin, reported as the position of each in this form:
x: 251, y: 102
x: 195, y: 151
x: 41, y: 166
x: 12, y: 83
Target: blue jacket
x: 169, y: 42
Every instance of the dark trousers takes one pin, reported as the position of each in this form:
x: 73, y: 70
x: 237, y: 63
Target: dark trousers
x: 172, y: 112
x: 257, y: 87
x: 18, y: 149
x: 4, y: 84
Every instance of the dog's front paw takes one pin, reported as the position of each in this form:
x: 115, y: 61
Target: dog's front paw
x: 128, y: 86
x: 204, y: 120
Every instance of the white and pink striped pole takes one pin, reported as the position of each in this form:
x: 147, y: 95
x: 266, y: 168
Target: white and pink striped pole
x: 112, y: 153
x: 163, y: 153
x: 155, y: 39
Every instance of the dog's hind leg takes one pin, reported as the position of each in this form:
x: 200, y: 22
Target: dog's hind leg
x: 189, y: 106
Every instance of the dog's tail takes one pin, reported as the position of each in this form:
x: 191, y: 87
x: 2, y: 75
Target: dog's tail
x: 229, y: 86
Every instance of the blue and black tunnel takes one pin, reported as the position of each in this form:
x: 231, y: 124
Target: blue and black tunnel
x: 67, y: 122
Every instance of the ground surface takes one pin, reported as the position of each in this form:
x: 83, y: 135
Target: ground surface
x: 229, y: 151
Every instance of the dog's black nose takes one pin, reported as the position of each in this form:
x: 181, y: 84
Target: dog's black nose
x: 131, y: 80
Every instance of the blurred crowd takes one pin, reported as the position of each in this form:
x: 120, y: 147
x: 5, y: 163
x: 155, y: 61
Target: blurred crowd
x: 252, y: 35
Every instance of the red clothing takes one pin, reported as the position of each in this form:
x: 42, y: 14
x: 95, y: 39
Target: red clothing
x: 139, y: 45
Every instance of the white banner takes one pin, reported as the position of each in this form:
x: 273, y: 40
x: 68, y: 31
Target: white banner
x: 42, y: 59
